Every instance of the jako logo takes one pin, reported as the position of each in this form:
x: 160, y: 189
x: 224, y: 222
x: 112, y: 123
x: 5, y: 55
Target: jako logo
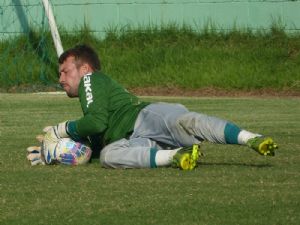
x: 88, y: 89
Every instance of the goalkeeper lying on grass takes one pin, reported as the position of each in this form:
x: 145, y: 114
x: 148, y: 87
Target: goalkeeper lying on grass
x: 127, y: 133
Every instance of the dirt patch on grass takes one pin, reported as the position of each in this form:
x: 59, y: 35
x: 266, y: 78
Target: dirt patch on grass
x: 170, y: 91
x: 212, y: 92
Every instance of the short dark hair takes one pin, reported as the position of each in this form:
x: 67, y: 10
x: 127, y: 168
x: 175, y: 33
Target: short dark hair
x: 83, y: 54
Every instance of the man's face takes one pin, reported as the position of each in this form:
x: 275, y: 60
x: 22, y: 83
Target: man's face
x: 69, y: 76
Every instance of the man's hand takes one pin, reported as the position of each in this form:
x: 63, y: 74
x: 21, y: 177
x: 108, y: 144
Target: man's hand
x: 51, y: 138
x: 35, y: 156
x: 54, y: 133
x: 43, y: 154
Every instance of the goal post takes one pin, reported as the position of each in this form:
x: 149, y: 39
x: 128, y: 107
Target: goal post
x: 53, y: 27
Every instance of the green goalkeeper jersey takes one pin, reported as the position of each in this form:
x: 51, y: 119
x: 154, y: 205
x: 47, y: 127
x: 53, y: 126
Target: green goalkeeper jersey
x: 110, y: 111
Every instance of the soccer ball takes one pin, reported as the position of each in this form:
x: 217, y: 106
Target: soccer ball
x: 66, y: 151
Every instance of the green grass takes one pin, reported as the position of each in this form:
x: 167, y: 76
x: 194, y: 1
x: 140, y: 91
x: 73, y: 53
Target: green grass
x: 173, y: 56
x: 233, y: 184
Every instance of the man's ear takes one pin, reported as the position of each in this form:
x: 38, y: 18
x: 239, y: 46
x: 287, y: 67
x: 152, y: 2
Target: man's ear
x: 85, y: 68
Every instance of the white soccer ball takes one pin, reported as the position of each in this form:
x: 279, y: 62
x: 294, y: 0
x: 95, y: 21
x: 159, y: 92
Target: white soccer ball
x: 66, y: 151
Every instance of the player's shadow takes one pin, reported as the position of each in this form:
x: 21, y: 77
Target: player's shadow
x: 235, y: 164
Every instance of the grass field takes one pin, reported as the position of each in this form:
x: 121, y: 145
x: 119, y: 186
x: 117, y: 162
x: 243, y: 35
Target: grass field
x: 232, y: 185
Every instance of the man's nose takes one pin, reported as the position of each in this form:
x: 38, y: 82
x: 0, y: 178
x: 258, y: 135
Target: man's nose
x: 61, y: 78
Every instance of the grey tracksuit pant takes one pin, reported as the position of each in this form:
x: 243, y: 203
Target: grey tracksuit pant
x: 161, y: 126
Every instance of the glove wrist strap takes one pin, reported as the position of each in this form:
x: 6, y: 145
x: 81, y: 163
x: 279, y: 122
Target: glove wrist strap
x: 62, y: 130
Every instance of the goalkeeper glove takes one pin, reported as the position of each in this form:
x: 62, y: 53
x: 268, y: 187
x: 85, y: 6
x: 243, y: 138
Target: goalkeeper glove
x: 35, y: 156
x: 43, y: 154
x: 54, y: 133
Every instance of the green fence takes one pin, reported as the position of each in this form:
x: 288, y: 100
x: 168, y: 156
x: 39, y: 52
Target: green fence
x: 17, y: 15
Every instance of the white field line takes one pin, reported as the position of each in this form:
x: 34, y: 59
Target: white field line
x: 154, y: 97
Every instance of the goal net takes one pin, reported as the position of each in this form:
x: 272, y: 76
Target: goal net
x: 27, y: 52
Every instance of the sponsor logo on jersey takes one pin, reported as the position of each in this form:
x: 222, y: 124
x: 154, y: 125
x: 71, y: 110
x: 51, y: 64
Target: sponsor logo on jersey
x: 88, y: 89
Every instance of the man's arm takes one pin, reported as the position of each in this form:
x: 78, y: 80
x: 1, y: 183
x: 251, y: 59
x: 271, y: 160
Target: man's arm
x: 94, y: 99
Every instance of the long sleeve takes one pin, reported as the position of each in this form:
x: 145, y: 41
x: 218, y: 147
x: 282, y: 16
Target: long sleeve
x: 109, y: 110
